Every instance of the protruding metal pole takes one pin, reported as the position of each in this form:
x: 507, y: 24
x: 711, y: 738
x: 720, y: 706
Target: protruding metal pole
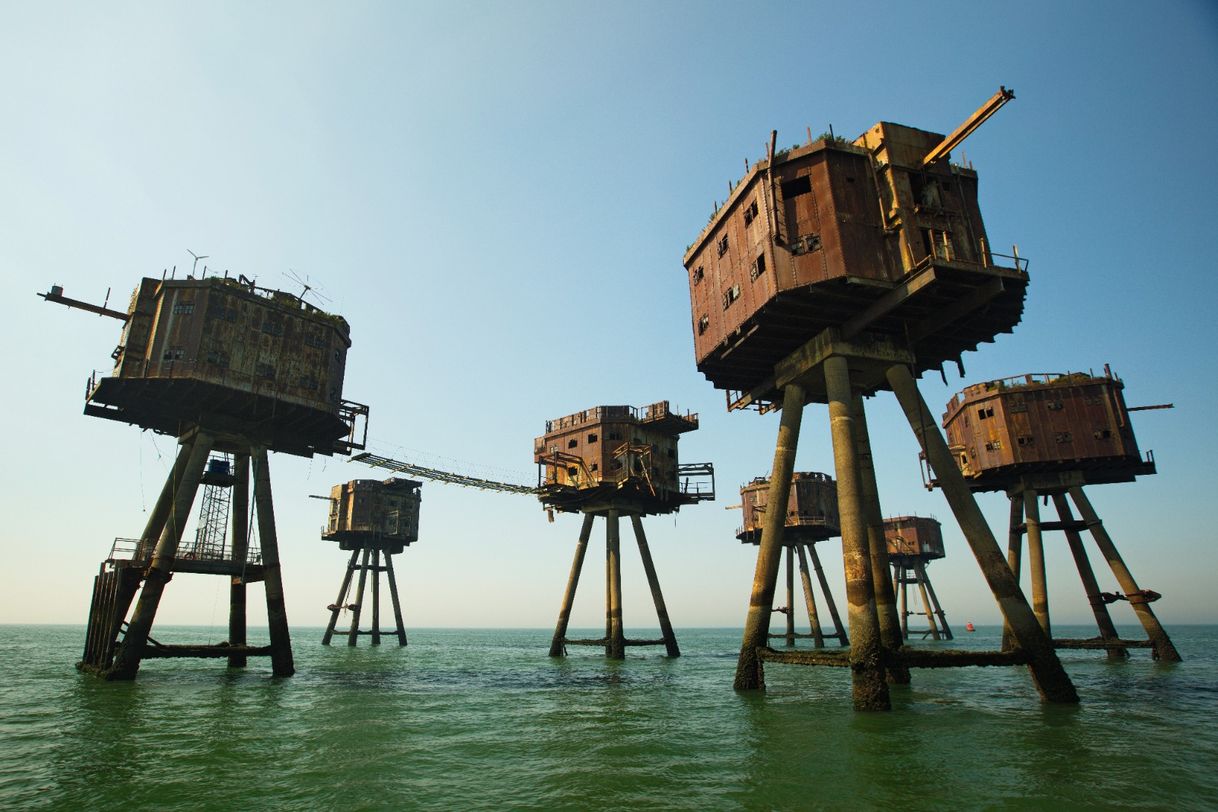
x: 557, y: 648
x: 1163, y: 647
x: 885, y: 596
x: 839, y: 630
x: 376, y: 596
x: 615, y: 645
x: 790, y: 634
x: 397, y: 604
x: 237, y: 587
x: 649, y: 567
x: 1051, y: 679
x: 1014, y: 556
x: 1036, y: 561
x: 358, y: 605
x: 342, y: 596
x: 127, y: 660
x: 1091, y: 587
x: 769, y: 552
x: 818, y: 639
x: 276, y: 611
x: 870, y: 687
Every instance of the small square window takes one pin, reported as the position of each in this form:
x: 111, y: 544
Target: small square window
x: 703, y: 323
x: 723, y: 245
x: 758, y: 268
x: 572, y: 443
x: 184, y: 308
x: 592, y: 438
x: 730, y: 295
x: 697, y: 274
x: 750, y: 213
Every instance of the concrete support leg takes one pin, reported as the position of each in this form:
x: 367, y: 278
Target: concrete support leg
x: 376, y: 597
x: 789, y: 636
x: 127, y: 661
x: 649, y: 567
x: 1036, y: 561
x: 557, y: 649
x: 885, y: 597
x: 1163, y: 647
x: 1014, y: 558
x: 938, y: 607
x: 358, y: 604
x: 902, y: 578
x: 397, y: 604
x: 818, y: 640
x: 761, y: 601
x: 920, y: 575
x: 867, y: 670
x: 615, y: 643
x: 237, y: 587
x: 838, y: 629
x: 340, y: 600
x: 276, y: 610
x: 1091, y: 587
x: 1051, y: 679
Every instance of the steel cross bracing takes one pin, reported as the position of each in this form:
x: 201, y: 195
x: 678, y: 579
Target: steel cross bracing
x: 442, y: 476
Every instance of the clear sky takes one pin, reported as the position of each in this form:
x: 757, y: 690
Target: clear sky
x: 497, y: 197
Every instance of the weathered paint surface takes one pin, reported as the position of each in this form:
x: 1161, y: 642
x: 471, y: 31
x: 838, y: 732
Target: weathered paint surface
x: 1001, y: 430
x: 913, y: 538
x: 811, y: 509
x: 382, y: 515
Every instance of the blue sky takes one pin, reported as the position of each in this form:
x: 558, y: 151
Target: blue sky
x: 497, y: 197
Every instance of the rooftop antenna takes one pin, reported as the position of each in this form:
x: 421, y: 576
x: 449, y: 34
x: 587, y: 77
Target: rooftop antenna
x: 306, y: 287
x: 196, y: 263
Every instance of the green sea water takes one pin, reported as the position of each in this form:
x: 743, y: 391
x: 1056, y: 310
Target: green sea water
x: 483, y: 719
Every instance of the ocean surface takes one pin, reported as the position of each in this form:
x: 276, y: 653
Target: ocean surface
x: 483, y: 719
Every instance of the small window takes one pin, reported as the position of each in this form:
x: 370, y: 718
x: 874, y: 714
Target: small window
x: 796, y: 187
x: 672, y: 453
x: 723, y: 245
x: 315, y: 340
x: 1103, y: 434
x: 1064, y: 437
x: 1027, y: 440
x: 985, y: 412
x: 218, y: 357
x: 993, y: 445
x: 758, y: 268
x: 184, y: 308
x: 173, y: 354
x: 592, y: 438
x: 572, y: 443
x: 697, y: 274
x: 750, y: 213
x: 703, y: 323
x: 272, y: 327
x: 573, y: 471
x: 1055, y: 406
x: 730, y: 295
x: 594, y: 467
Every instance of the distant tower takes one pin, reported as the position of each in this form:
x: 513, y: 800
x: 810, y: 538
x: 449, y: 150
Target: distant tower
x: 369, y: 518
x: 811, y: 516
x: 1048, y: 435
x: 913, y: 542
x: 834, y: 270
x: 615, y: 461
x: 229, y: 367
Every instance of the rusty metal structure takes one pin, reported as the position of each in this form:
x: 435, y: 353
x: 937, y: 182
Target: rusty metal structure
x: 1047, y: 436
x: 913, y: 542
x: 811, y: 516
x: 228, y: 367
x: 371, y: 518
x: 615, y: 461
x: 835, y: 270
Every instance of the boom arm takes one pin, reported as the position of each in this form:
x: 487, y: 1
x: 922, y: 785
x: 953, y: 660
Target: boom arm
x: 971, y: 123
